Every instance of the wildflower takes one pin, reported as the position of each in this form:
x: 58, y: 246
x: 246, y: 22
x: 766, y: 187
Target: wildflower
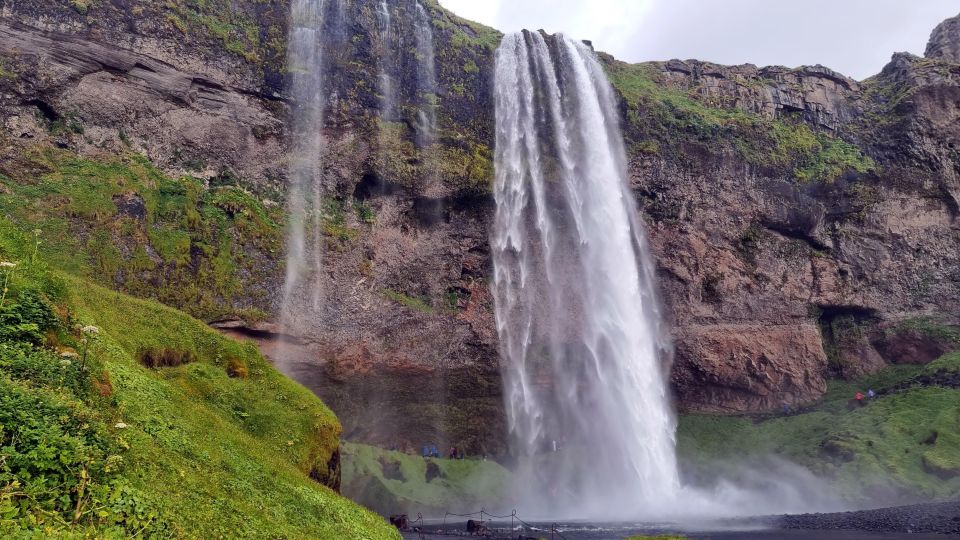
x: 121, y: 425
x: 65, y: 363
x: 7, y: 264
x: 90, y: 330
x: 69, y: 354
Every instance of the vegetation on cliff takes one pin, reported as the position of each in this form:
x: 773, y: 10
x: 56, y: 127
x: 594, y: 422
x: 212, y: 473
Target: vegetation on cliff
x: 662, y: 118
x: 900, y: 446
x: 206, y: 247
x: 97, y: 444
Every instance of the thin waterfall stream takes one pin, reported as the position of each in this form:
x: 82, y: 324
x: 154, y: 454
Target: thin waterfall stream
x: 304, y: 235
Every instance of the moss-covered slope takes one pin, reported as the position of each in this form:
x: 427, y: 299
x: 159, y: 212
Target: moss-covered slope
x: 393, y: 482
x: 216, y: 444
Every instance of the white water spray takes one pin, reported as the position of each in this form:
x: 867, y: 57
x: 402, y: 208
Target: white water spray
x: 578, y: 319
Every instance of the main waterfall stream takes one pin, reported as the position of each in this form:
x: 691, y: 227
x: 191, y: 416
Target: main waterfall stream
x: 577, y: 314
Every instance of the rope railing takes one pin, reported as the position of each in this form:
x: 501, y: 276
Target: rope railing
x: 483, y: 514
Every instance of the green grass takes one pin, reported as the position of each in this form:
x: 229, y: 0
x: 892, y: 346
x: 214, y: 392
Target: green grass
x: 949, y: 362
x: 931, y: 327
x: 460, y: 485
x: 187, y: 452
x: 885, y: 446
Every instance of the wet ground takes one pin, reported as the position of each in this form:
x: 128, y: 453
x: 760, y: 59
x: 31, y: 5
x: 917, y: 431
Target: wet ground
x: 935, y: 521
x: 617, y: 533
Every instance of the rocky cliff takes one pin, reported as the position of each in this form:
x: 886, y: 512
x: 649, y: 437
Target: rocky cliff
x: 805, y: 224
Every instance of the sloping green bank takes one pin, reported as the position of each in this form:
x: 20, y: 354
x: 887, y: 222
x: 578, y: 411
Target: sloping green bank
x: 216, y: 444
x: 905, y: 444
x: 397, y: 483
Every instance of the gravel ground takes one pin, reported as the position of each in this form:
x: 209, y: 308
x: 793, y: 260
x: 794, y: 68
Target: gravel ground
x: 939, y: 518
x: 916, y: 522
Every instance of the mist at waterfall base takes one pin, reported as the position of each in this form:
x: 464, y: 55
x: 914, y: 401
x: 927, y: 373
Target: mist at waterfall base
x: 583, y: 343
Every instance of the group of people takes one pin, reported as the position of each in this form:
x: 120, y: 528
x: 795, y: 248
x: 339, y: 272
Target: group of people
x: 430, y: 450
x: 859, y: 396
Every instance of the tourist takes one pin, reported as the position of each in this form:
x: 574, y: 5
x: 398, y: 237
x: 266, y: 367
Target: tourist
x: 871, y: 394
x: 859, y: 398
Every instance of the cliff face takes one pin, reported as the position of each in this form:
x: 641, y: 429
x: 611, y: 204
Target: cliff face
x: 805, y: 224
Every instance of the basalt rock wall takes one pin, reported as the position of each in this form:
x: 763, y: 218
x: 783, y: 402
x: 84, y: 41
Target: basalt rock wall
x: 805, y: 224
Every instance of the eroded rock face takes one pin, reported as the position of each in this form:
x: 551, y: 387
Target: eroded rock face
x: 725, y: 368
x: 945, y: 41
x: 773, y: 280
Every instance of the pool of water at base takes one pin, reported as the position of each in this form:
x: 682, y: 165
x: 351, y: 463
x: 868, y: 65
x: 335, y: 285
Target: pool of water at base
x: 591, y: 531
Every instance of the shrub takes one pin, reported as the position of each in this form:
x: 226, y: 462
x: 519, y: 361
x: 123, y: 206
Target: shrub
x: 157, y: 357
x: 58, y: 458
x: 27, y: 319
x: 237, y: 368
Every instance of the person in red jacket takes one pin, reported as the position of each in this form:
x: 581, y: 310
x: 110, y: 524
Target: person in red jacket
x: 859, y: 398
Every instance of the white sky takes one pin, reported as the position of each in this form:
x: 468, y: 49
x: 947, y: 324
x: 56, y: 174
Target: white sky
x: 854, y: 37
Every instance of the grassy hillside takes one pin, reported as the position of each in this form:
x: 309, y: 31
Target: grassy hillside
x: 902, y: 445
x: 216, y: 444
x: 394, y: 482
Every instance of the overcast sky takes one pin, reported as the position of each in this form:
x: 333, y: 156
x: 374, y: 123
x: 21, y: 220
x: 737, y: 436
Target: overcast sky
x: 854, y: 37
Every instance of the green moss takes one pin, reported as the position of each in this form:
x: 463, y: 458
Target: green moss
x: 235, y: 29
x: 82, y: 6
x: 412, y: 302
x: 334, y: 224
x: 883, y: 446
x: 122, y: 222
x: 833, y: 158
x: 463, y: 33
x: 930, y: 326
x: 672, y: 115
x: 466, y: 484
x: 457, y: 161
x: 949, y: 362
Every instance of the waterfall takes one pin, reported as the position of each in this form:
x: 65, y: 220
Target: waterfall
x: 426, y: 77
x: 304, y: 235
x: 578, y: 319
x: 388, y: 60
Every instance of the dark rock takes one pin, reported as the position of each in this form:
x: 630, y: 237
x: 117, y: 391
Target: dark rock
x: 944, y: 42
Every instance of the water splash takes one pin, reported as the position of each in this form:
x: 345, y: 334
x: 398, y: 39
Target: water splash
x: 577, y: 314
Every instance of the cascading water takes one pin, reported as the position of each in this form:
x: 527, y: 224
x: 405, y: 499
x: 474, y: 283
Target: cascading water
x: 388, y: 94
x: 304, y: 235
x: 426, y: 76
x: 577, y: 314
